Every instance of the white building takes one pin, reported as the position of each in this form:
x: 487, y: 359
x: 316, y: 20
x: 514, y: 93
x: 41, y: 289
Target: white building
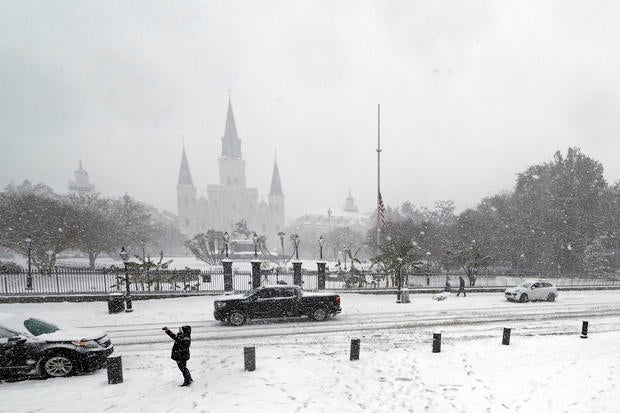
x: 82, y: 183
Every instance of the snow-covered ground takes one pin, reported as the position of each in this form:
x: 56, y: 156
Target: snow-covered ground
x: 304, y: 366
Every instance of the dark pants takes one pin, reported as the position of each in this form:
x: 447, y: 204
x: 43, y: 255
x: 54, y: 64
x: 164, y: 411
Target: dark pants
x: 461, y: 290
x: 187, y: 378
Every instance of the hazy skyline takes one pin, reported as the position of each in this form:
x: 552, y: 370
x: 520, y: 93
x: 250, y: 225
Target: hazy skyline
x: 471, y: 94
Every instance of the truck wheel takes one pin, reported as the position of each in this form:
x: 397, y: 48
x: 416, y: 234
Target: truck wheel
x: 523, y: 298
x: 236, y: 318
x: 319, y: 314
x: 57, y: 365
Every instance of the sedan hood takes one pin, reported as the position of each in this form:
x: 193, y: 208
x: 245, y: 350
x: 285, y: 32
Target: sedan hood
x: 73, y: 334
x: 515, y: 289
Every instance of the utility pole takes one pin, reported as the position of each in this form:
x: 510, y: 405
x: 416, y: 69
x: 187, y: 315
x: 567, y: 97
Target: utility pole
x: 378, y: 172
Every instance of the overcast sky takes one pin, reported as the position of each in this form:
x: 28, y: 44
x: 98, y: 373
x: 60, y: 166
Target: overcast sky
x: 471, y: 93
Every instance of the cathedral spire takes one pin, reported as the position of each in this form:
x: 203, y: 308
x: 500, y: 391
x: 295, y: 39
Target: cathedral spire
x: 185, y: 176
x: 276, y: 185
x: 231, y: 144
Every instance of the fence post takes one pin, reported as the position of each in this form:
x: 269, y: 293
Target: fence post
x: 228, y: 277
x: 355, y: 349
x: 115, y: 369
x: 297, y: 279
x: 255, y: 273
x: 436, y: 342
x: 506, y: 337
x: 320, y: 275
x: 584, y: 330
x: 249, y: 358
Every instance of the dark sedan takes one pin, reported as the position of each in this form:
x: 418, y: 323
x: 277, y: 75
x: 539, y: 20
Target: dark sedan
x: 30, y: 346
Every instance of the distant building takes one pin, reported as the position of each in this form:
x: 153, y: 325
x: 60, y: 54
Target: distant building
x: 349, y: 205
x: 328, y: 219
x: 230, y: 201
x: 82, y: 183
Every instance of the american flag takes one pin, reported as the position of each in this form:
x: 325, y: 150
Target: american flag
x: 381, y: 210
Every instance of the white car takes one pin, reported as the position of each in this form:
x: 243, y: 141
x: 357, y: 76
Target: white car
x: 531, y: 291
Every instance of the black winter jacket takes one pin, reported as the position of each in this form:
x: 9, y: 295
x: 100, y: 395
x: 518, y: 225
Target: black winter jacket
x: 182, y: 341
x: 461, y: 282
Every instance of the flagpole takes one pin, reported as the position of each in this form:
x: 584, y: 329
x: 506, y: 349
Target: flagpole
x: 378, y: 172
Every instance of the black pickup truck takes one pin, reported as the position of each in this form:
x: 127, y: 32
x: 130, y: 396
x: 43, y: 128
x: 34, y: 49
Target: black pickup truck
x: 280, y: 301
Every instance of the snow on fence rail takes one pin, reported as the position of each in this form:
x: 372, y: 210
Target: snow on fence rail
x: 84, y: 281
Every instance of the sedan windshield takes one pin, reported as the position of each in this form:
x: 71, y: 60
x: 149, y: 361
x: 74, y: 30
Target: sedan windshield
x: 526, y: 285
x: 37, y: 327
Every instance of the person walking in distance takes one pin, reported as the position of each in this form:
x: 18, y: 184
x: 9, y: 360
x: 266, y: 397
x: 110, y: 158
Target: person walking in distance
x: 461, y: 287
x: 180, y: 351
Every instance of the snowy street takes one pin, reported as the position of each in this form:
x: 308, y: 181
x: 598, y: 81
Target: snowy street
x: 304, y: 365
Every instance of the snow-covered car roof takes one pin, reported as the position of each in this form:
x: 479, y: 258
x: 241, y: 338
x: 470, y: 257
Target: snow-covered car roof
x: 532, y: 281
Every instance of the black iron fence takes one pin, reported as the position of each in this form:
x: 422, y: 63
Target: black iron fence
x: 86, y: 281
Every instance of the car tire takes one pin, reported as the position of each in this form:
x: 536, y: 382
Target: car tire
x: 319, y: 313
x: 237, y: 318
x: 551, y: 297
x: 57, y: 365
x: 523, y: 298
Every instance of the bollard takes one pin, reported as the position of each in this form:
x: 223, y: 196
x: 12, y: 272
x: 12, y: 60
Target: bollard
x: 115, y: 369
x: 249, y: 358
x: 584, y: 330
x: 506, y: 337
x: 436, y: 342
x: 355, y: 349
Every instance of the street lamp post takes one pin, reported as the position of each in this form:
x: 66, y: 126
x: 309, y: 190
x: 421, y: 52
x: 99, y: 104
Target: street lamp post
x: 255, y: 263
x: 227, y: 265
x: 428, y: 268
x: 124, y: 256
x: 344, y: 252
x: 226, y: 238
x: 321, y: 265
x: 50, y: 255
x: 29, y: 278
x: 146, y: 265
x: 255, y: 239
x: 297, y: 279
x: 400, y: 263
x: 296, y: 240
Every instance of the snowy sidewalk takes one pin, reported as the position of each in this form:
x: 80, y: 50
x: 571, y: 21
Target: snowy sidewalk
x: 397, y: 372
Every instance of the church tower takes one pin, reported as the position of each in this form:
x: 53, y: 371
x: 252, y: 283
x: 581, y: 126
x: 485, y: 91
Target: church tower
x: 232, y: 166
x: 276, y: 200
x: 186, y: 197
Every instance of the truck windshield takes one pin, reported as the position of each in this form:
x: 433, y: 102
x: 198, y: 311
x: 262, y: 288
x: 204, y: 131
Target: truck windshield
x: 251, y: 292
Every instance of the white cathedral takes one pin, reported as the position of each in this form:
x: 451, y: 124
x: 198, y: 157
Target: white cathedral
x: 231, y: 201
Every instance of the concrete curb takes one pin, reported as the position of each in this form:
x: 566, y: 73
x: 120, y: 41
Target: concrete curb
x: 52, y: 298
